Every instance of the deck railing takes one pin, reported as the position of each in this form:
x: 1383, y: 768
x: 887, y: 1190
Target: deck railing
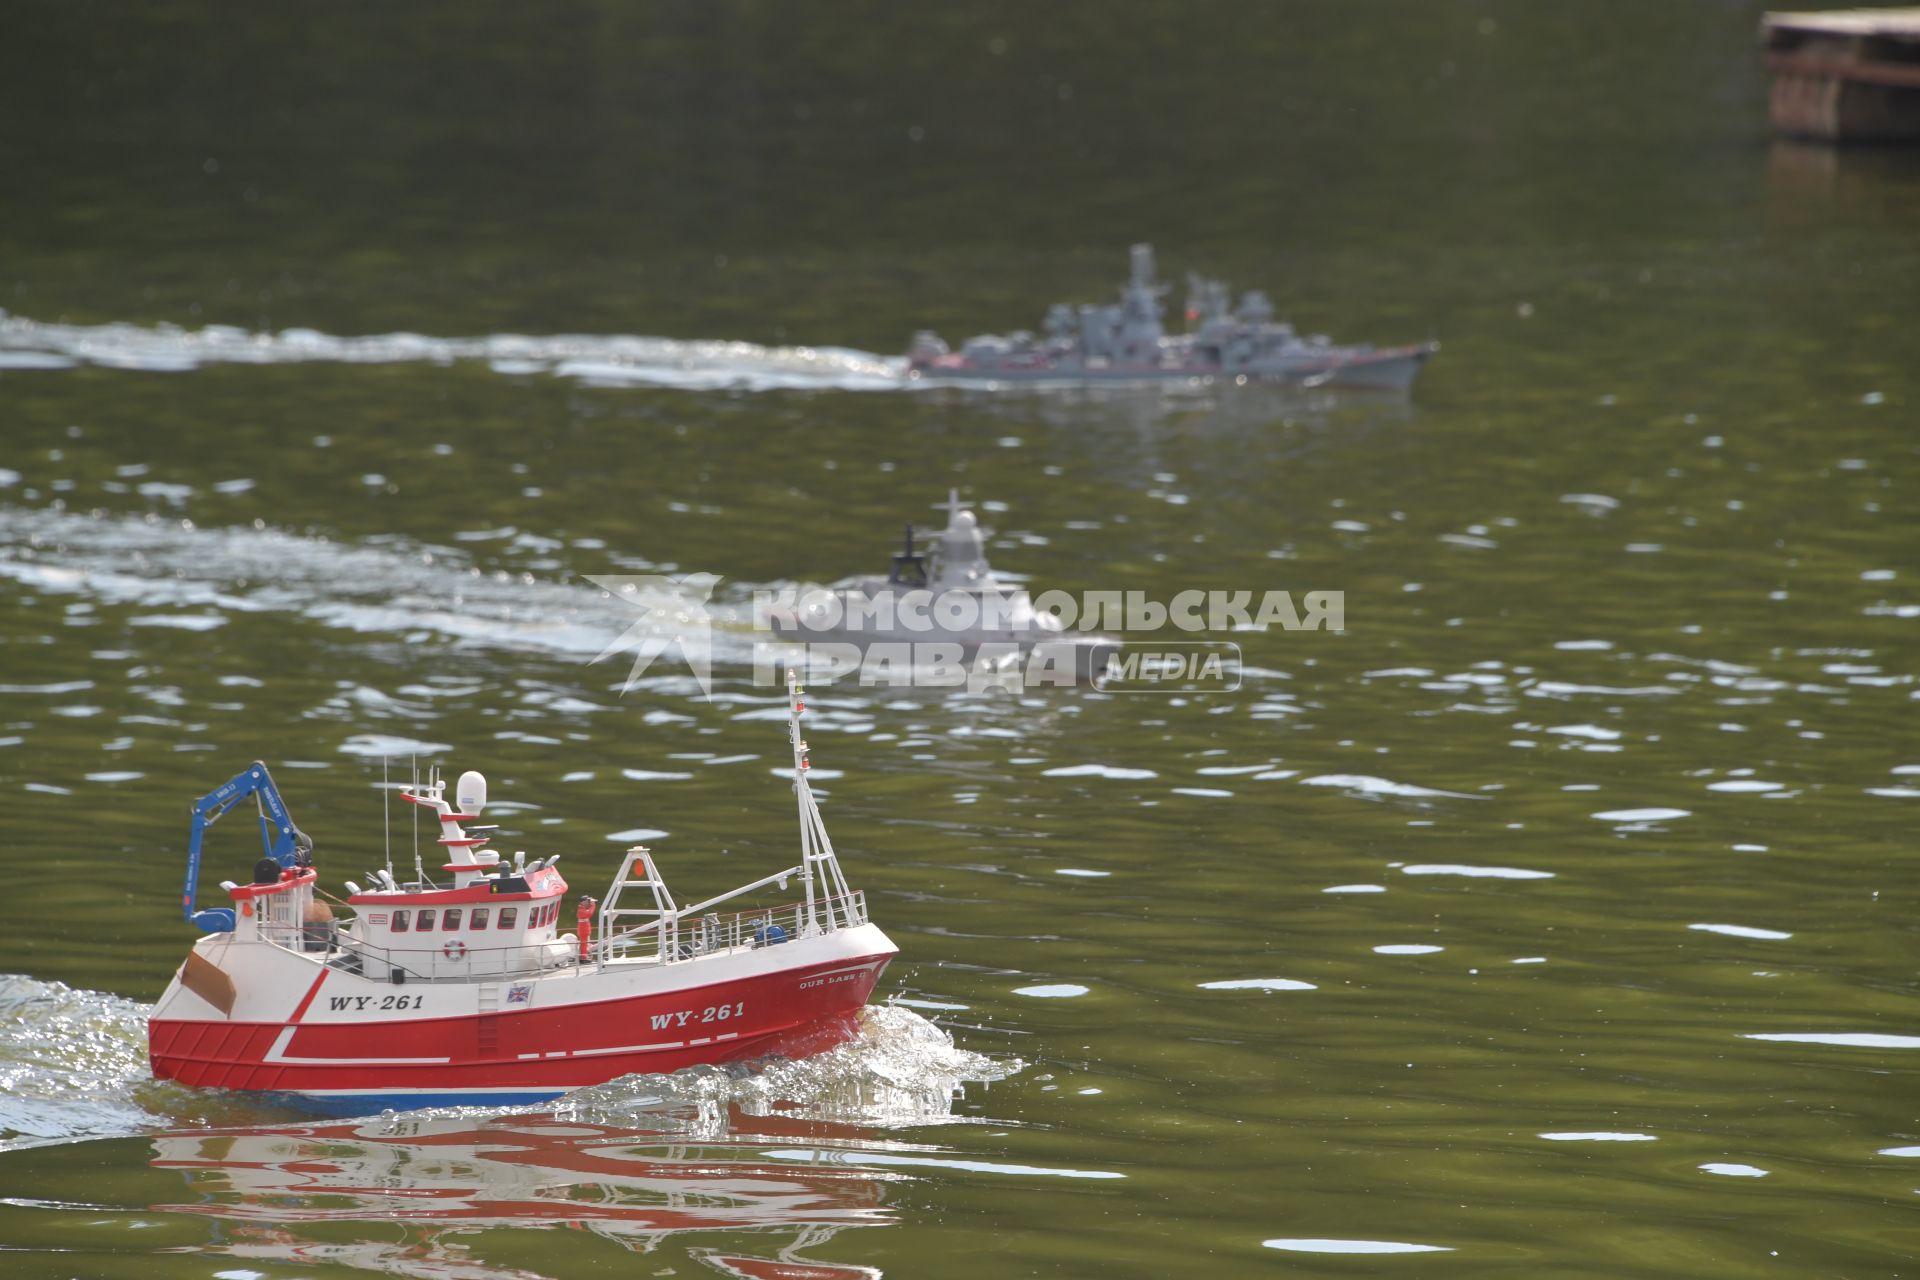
x: 685, y: 937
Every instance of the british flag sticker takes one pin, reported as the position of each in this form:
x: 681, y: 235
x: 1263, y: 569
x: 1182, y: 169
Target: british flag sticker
x: 520, y: 993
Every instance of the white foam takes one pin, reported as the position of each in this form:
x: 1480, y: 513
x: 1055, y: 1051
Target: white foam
x: 1366, y: 784
x: 1844, y: 1039
x: 1099, y: 771
x: 1741, y: 931
x: 1642, y: 815
x: 1464, y: 869
x: 596, y: 359
x: 1594, y: 731
x: 901, y: 1070
x: 73, y: 1061
x: 391, y: 746
x: 202, y: 575
x: 1315, y: 1245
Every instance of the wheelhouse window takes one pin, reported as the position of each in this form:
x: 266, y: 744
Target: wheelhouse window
x: 480, y: 915
x: 426, y: 921
x: 450, y: 918
x: 400, y: 919
x: 507, y: 916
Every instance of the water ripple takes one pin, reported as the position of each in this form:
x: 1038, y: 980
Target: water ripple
x: 1740, y: 931
x: 1642, y: 815
x: 1463, y: 869
x: 1845, y: 1039
x: 834, y: 1155
x: 1317, y: 1245
x: 1367, y: 785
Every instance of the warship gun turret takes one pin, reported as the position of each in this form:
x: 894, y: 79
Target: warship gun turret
x: 942, y: 602
x: 1126, y: 342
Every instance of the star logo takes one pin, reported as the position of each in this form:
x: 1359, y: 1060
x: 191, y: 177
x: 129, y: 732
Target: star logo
x: 672, y: 613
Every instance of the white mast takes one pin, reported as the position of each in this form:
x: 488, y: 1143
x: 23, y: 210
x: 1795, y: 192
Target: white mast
x: 816, y: 849
x: 386, y: 812
x: 419, y: 871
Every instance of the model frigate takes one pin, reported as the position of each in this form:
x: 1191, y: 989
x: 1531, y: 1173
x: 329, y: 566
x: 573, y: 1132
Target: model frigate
x: 1126, y: 342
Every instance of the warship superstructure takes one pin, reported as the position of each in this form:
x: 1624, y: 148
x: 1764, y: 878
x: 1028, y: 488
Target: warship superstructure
x: 948, y: 597
x: 1126, y: 342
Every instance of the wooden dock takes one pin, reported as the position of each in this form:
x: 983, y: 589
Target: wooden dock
x: 1845, y: 75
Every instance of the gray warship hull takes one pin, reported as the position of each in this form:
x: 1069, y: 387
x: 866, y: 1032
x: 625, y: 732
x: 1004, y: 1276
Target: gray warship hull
x: 1380, y: 369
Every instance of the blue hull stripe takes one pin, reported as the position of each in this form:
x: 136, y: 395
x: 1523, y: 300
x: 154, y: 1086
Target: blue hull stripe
x: 367, y: 1104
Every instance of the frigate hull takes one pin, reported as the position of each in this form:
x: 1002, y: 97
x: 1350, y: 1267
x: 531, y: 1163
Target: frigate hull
x: 1386, y: 369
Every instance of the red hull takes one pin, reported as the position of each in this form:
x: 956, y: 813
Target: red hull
x: 534, y: 1050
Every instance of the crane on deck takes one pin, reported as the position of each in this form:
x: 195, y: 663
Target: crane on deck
x: 281, y: 841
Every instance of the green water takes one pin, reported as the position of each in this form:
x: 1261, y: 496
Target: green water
x: 1642, y: 539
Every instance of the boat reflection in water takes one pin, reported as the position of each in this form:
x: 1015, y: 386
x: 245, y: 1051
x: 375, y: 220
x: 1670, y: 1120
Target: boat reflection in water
x: 414, y: 1196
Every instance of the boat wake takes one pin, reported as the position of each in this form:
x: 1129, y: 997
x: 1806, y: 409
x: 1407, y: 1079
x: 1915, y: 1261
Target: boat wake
x: 73, y: 1067
x: 203, y: 575
x: 595, y: 359
x: 901, y: 1070
x: 71, y: 1063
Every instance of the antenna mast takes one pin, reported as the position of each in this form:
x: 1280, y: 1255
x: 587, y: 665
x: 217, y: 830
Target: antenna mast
x: 386, y: 812
x: 419, y: 871
x: 816, y: 849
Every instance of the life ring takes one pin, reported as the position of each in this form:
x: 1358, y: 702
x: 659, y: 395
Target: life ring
x: 454, y: 949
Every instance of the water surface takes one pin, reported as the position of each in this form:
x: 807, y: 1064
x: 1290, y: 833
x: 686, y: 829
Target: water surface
x: 1554, y: 918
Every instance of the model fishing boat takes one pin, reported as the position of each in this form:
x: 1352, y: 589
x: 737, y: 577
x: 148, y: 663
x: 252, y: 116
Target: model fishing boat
x: 1126, y: 342
x: 461, y: 990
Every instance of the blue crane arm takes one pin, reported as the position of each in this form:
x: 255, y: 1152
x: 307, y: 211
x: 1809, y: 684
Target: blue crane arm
x: 279, y: 838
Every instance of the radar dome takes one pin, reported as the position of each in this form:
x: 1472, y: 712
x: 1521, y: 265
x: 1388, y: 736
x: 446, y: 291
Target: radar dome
x: 470, y: 793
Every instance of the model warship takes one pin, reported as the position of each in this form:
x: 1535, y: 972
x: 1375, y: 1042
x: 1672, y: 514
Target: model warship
x: 945, y: 604
x: 1127, y: 342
